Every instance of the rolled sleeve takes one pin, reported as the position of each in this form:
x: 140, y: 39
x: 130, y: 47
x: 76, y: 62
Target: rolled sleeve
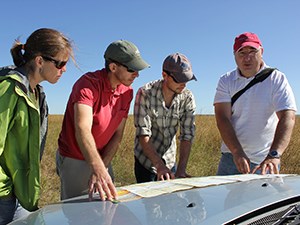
x: 142, y: 120
x: 187, y: 122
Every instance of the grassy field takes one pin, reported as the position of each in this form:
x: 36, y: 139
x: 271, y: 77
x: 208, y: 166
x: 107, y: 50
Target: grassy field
x: 203, y: 160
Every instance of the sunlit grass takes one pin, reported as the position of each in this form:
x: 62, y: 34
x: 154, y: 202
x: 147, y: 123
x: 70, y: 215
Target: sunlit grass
x: 203, y: 159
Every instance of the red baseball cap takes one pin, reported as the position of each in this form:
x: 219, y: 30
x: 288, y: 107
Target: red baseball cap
x: 246, y: 39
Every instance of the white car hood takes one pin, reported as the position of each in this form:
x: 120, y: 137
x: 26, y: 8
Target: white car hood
x: 220, y: 199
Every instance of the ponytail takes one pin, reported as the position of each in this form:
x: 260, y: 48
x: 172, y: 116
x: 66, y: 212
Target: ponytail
x: 17, y: 53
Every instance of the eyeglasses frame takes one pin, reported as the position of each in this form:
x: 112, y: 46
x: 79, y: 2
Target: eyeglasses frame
x: 58, y: 64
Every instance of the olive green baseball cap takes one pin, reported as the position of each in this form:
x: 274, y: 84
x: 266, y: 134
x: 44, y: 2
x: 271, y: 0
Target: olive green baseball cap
x: 127, y: 54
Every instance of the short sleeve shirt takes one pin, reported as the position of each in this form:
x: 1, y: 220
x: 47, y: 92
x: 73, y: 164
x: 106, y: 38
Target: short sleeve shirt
x: 109, y: 108
x: 254, y: 113
x: 152, y: 118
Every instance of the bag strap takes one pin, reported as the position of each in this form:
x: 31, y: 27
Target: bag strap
x: 260, y: 77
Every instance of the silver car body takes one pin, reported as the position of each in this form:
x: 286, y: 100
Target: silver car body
x: 202, y: 200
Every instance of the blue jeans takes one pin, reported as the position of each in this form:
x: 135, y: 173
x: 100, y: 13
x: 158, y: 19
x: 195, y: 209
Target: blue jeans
x: 227, y: 165
x: 10, y: 210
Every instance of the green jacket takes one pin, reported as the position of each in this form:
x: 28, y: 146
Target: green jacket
x: 23, y: 129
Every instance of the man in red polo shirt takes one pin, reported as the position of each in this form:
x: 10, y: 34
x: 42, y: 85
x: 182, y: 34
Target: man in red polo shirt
x: 94, y: 122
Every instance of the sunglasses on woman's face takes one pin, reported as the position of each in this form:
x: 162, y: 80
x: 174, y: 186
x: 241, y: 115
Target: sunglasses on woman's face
x: 58, y: 64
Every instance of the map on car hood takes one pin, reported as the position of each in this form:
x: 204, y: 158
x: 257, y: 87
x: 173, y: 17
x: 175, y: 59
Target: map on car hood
x: 151, y: 189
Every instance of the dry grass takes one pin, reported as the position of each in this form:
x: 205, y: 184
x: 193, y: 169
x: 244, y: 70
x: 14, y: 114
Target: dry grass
x: 49, y: 179
x: 203, y: 160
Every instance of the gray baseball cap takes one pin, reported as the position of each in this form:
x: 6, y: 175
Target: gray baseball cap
x: 179, y: 67
x: 127, y: 54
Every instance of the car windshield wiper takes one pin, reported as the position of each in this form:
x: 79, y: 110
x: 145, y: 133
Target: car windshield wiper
x: 280, y: 213
x: 291, y: 215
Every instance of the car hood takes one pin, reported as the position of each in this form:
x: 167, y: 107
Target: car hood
x: 201, y: 200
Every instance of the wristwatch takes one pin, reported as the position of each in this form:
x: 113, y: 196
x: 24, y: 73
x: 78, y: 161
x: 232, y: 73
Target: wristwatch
x: 274, y: 154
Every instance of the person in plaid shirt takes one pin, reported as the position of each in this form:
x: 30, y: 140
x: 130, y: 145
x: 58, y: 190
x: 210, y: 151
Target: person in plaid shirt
x: 161, y: 107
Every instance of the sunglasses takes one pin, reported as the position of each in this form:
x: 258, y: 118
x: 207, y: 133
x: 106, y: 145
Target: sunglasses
x: 58, y: 64
x: 120, y: 64
x: 170, y: 75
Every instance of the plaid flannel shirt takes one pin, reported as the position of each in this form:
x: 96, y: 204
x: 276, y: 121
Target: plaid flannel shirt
x: 152, y: 118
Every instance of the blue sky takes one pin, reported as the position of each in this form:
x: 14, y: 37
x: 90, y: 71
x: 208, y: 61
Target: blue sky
x: 203, y: 30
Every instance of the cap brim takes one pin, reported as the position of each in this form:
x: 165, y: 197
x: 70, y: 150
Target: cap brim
x: 137, y: 64
x: 194, y: 78
x: 251, y: 44
x: 183, y: 78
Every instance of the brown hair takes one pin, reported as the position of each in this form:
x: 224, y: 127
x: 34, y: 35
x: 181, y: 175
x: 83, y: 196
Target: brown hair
x: 45, y: 42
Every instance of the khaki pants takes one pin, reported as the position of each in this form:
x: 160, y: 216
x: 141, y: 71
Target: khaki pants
x: 74, y: 176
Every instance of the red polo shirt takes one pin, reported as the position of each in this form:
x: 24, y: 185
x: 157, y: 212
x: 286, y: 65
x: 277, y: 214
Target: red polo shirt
x: 109, y: 108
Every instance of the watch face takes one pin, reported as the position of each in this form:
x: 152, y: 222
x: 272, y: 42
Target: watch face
x: 274, y: 153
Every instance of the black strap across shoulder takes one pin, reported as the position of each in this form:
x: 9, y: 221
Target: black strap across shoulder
x: 260, y: 77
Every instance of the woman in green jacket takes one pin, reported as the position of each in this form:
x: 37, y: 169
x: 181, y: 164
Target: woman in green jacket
x: 23, y: 118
